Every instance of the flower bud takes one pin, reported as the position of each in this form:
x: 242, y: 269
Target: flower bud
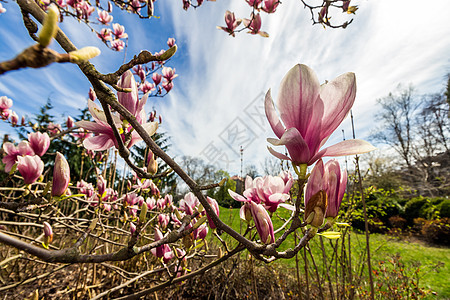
x: 84, y: 54
x: 69, y: 122
x: 152, y: 164
x: 30, y: 167
x: 14, y: 118
x: 61, y: 175
x: 50, y: 27
x: 48, y: 233
x: 39, y: 142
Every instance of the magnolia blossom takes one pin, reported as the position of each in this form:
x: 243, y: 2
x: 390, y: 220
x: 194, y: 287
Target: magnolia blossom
x: 215, y: 207
x: 104, y: 138
x: 119, y: 31
x: 169, y: 73
x: 5, y: 103
x: 163, y: 220
x: 272, y: 191
x: 13, y: 152
x: 270, y: 6
x: 189, y: 203
x: 147, y: 87
x: 39, y: 142
x: 14, y: 118
x: 69, y: 122
x: 254, y: 24
x: 131, y: 100
x: 2, y: 9
x: 86, y: 188
x: 61, y: 175
x: 263, y: 223
x: 231, y: 22
x: 30, y: 167
x: 117, y: 45
x: 330, y: 178
x: 309, y: 114
x: 53, y: 128
x: 170, y: 42
x: 104, y: 17
x: 156, y: 78
x: 254, y: 3
x: 201, y: 232
x: 163, y: 250
x: 167, y: 85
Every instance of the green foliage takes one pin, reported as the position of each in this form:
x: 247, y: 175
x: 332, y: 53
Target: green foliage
x: 444, y: 209
x: 222, y: 196
x: 420, y: 207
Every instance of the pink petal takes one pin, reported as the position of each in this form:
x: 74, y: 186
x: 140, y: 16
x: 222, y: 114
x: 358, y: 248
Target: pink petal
x: 296, y: 145
x: 299, y: 91
x: 236, y: 196
x: 348, y: 147
x: 98, y: 143
x: 338, y: 96
x: 278, y: 154
x: 272, y: 116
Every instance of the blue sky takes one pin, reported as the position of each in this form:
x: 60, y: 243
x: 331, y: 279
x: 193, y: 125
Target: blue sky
x: 216, y: 103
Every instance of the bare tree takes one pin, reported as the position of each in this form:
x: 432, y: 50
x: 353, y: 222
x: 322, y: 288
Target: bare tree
x: 397, y: 119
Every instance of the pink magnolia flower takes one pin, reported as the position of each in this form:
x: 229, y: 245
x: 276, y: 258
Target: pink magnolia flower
x: 272, y: 191
x: 61, y: 175
x: 169, y: 73
x: 105, y: 35
x: 254, y: 24
x: 167, y: 85
x: 119, y: 31
x: 14, y: 118
x: 186, y: 4
x: 160, y: 251
x: 30, y: 167
x: 201, y: 232
x: 215, y: 207
x: 263, y: 223
x: 48, y: 232
x: 86, y: 188
x: 104, y: 17
x: 53, y: 128
x: 170, y: 42
x: 168, y: 199
x: 147, y: 87
x: 69, y: 122
x: 2, y: 9
x: 39, y: 142
x: 151, y: 203
x: 131, y: 100
x: 156, y: 78
x: 92, y: 95
x: 5, y: 105
x: 12, y: 153
x: 270, y: 6
x: 189, y: 203
x: 310, y: 113
x: 231, y: 22
x: 101, y: 185
x: 132, y: 228
x: 163, y: 220
x: 329, y: 178
x: 104, y: 138
x: 117, y: 45
x: 254, y: 3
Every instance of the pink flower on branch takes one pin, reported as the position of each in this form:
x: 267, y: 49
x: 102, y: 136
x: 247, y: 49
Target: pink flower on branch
x: 119, y: 31
x: 12, y: 153
x: 104, y: 17
x: 39, y: 142
x: 254, y: 24
x: 30, y: 167
x: 231, y: 22
x: 270, y: 6
x: 61, y: 175
x: 310, y: 112
x: 330, y: 178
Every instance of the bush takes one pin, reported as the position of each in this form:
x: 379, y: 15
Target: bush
x: 397, y: 222
x: 437, y: 231
x: 420, y: 208
x: 444, y: 209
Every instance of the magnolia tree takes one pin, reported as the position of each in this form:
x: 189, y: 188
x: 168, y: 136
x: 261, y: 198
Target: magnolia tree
x: 135, y: 218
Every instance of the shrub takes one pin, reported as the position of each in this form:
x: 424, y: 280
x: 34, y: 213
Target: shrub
x: 444, y: 209
x: 437, y: 231
x: 397, y: 222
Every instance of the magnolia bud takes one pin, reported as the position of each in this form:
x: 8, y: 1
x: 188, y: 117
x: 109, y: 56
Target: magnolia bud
x: 48, y: 233
x: 169, y: 53
x: 83, y: 54
x: 61, y: 175
x: 50, y: 27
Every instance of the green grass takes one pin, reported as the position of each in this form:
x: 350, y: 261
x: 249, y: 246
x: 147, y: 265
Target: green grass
x: 434, y: 262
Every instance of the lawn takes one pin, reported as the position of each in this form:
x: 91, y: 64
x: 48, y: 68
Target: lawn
x: 433, y: 262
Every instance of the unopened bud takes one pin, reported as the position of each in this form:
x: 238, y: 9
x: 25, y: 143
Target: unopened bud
x: 222, y: 182
x: 48, y: 233
x: 316, y: 208
x: 83, y: 54
x: 168, y: 54
x: 50, y: 27
x: 143, y: 214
